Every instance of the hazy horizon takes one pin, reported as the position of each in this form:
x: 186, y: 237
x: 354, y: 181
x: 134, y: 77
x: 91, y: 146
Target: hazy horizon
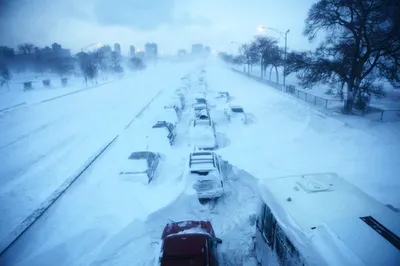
x: 171, y: 24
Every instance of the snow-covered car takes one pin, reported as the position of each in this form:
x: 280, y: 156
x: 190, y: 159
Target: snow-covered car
x: 198, y: 108
x: 203, y: 135
x: 223, y: 95
x: 171, y: 113
x: 141, y: 166
x: 203, y: 115
x: 235, y: 112
x: 181, y: 97
x: 171, y: 130
x: 200, y: 98
x: 189, y: 243
x: 205, y: 170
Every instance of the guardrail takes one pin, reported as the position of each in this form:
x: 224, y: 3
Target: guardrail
x: 290, y: 89
x: 382, y: 112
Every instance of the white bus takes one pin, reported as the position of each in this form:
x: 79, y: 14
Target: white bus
x: 321, y: 219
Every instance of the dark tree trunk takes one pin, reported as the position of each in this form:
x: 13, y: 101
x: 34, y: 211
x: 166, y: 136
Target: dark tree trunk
x: 270, y: 73
x: 349, y: 102
x: 261, y: 69
x: 277, y: 75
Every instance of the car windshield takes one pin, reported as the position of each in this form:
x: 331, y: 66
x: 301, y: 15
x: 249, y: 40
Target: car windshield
x: 203, y: 172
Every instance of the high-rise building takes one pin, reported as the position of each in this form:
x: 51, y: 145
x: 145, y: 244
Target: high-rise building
x: 151, y: 50
x: 59, y: 51
x: 140, y: 54
x: 197, y: 48
x: 56, y: 47
x: 132, y: 51
x: 117, y: 48
x: 181, y: 52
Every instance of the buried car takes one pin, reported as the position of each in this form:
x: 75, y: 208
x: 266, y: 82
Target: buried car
x: 189, y: 243
x: 198, y: 108
x: 235, y: 112
x: 203, y: 135
x: 171, y: 129
x: 205, y: 169
x: 141, y: 166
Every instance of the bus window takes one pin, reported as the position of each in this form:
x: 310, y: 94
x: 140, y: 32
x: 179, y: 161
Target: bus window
x: 287, y: 253
x: 268, y: 225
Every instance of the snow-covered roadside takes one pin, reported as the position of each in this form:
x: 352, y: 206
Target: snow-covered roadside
x: 14, y: 96
x: 290, y: 138
x: 101, y: 203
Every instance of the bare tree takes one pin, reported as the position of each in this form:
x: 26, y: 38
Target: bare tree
x: 362, y: 44
x: 88, y: 66
x: 250, y: 55
x: 26, y: 49
x: 136, y: 63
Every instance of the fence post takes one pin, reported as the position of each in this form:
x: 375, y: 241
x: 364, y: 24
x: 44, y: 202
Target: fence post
x: 326, y: 103
x: 306, y: 96
x: 315, y: 100
x: 382, y: 115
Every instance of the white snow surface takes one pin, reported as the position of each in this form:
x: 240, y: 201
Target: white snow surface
x: 102, y: 221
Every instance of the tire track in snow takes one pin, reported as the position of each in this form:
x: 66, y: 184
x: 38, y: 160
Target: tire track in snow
x: 6, y: 243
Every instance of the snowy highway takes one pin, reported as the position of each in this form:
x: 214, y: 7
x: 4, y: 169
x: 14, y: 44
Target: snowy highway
x: 44, y: 144
x: 103, y: 220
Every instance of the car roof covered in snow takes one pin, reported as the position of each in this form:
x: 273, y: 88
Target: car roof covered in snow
x: 201, y: 161
x: 337, y: 217
x: 187, y: 226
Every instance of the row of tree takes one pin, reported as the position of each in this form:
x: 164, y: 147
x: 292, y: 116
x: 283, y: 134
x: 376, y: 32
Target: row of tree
x: 59, y: 61
x: 360, y: 50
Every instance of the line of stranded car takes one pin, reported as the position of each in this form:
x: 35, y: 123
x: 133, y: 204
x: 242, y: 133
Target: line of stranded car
x: 314, y: 219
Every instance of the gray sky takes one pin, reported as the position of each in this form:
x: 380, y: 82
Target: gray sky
x: 173, y: 24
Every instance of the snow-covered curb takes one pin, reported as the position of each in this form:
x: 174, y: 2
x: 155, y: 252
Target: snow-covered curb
x: 36, y: 214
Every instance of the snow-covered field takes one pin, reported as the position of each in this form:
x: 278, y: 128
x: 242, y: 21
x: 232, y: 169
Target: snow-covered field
x: 103, y: 220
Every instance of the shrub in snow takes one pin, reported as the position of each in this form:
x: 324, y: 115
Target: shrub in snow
x: 64, y: 82
x: 46, y: 82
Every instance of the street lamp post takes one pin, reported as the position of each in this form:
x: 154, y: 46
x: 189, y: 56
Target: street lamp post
x: 284, y: 35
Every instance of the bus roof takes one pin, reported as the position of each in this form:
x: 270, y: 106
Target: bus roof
x: 316, y: 205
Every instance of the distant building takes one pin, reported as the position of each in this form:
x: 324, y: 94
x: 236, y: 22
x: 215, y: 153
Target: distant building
x: 59, y: 51
x: 151, y: 50
x: 182, y: 52
x: 117, y: 48
x: 56, y: 48
x: 197, y: 48
x: 140, y: 54
x: 207, y: 49
x: 132, y: 51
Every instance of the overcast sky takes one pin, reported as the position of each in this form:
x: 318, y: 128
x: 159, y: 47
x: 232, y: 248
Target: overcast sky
x: 172, y: 24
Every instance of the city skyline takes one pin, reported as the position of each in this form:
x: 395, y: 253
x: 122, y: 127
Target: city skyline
x: 163, y: 22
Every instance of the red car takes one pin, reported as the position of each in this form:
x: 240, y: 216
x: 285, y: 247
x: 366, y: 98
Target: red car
x: 189, y: 243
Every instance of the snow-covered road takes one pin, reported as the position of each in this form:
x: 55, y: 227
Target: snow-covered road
x: 105, y: 221
x: 42, y: 145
